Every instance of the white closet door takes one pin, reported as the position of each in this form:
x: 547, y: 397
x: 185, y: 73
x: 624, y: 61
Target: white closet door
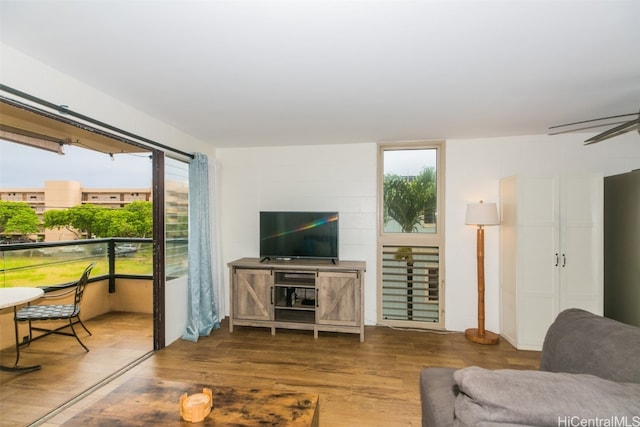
x: 581, y: 225
x: 537, y: 243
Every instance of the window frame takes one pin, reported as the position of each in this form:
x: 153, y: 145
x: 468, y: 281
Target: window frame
x: 436, y: 239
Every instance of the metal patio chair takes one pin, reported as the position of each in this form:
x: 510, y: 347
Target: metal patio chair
x: 47, y: 312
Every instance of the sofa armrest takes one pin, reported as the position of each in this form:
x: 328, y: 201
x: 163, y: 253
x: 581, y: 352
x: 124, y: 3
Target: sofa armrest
x: 438, y: 391
x: 580, y: 342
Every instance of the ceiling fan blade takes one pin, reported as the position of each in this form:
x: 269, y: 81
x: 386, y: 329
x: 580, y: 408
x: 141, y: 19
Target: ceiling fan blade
x: 593, y: 120
x: 593, y: 126
x: 618, y: 130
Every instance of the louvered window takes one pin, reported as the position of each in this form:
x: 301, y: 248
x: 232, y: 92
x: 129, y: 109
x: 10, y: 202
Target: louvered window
x: 410, y: 278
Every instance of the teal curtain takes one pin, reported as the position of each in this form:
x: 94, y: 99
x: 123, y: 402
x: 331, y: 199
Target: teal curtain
x: 202, y: 316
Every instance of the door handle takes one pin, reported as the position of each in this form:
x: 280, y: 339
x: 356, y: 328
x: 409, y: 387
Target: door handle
x: 557, y: 259
x: 272, y: 295
x: 564, y: 260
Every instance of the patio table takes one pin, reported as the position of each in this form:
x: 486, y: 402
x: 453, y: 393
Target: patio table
x: 13, y: 297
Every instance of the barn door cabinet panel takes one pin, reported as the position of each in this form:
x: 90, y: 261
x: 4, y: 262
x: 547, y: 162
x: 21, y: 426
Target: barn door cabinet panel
x: 338, y: 298
x: 299, y: 294
x: 551, y: 252
x: 253, y: 291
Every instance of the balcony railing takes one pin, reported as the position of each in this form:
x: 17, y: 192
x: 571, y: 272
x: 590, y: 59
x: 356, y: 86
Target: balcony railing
x: 53, y: 264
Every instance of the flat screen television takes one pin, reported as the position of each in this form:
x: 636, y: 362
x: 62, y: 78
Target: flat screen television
x: 290, y: 235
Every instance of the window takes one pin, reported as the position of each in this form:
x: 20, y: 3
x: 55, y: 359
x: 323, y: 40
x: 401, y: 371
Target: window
x: 410, y: 238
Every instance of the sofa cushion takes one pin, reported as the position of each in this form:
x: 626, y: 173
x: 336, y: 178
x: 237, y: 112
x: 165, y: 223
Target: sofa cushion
x: 580, y: 342
x: 539, y: 398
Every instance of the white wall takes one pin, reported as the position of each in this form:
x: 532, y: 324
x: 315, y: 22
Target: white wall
x: 322, y: 177
x: 343, y: 177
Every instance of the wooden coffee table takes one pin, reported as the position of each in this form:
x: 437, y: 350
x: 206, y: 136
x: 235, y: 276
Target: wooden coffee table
x: 145, y: 402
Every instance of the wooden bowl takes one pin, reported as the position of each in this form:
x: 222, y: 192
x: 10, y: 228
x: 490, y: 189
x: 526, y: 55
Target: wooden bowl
x: 196, y: 407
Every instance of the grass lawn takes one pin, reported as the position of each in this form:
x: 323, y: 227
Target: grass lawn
x: 57, y: 269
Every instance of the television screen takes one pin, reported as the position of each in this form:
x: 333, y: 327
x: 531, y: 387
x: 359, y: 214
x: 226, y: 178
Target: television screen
x: 299, y: 235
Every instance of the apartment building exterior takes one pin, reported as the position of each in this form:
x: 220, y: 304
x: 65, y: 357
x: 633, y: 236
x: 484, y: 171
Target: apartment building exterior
x: 66, y: 194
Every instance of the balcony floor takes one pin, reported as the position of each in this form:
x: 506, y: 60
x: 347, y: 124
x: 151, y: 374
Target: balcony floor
x: 67, y: 370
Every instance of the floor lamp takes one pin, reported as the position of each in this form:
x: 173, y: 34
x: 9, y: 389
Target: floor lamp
x: 481, y: 214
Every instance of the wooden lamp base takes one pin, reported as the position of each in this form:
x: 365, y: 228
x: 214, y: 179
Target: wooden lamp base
x: 480, y: 335
x: 486, y: 338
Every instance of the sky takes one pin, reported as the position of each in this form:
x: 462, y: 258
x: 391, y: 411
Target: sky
x: 408, y: 162
x: 26, y: 167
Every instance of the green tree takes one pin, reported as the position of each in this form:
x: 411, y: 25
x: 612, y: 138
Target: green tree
x: 76, y: 219
x: 410, y: 200
x: 134, y: 220
x: 58, y: 218
x: 102, y: 222
x: 116, y: 223
x: 82, y: 217
x: 17, y: 218
x: 141, y: 217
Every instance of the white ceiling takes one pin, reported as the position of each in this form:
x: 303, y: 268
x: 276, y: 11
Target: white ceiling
x: 251, y: 73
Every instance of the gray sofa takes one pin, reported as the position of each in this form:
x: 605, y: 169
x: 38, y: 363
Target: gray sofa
x: 589, y: 368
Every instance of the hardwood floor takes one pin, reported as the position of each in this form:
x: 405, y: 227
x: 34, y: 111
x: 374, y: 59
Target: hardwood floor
x: 67, y: 370
x: 374, y: 383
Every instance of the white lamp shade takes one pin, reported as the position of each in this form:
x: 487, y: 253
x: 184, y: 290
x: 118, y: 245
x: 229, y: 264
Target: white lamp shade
x: 482, y: 214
